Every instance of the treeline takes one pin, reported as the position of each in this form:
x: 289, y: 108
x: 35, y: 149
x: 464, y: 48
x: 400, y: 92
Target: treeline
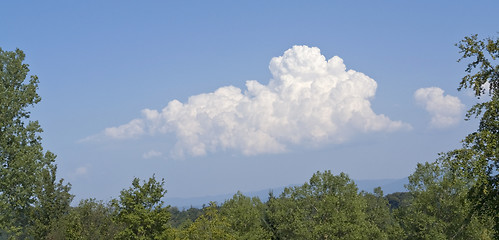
x: 455, y: 197
x: 328, y: 206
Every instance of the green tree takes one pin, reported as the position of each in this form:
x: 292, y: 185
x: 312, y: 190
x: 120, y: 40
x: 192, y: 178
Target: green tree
x: 30, y: 196
x: 53, y: 200
x: 184, y: 218
x: 142, y: 212
x: 245, y: 216
x: 378, y: 213
x: 397, y: 199
x: 478, y: 159
x: 328, y: 207
x: 91, y: 219
x: 439, y: 207
x: 209, y: 226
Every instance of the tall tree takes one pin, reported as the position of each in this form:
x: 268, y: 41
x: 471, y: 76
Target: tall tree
x: 327, y: 207
x: 30, y: 195
x: 439, y: 207
x: 245, y: 216
x: 142, y: 212
x: 209, y: 226
x: 478, y: 159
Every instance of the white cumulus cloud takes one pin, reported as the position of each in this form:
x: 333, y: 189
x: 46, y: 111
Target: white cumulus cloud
x: 309, y: 100
x: 445, y: 111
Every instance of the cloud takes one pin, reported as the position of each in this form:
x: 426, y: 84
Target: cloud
x: 485, y: 92
x: 308, y: 101
x: 81, y: 171
x: 445, y: 111
x: 132, y: 129
x: 151, y: 154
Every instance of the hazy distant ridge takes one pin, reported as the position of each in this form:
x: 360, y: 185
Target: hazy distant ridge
x: 387, y: 185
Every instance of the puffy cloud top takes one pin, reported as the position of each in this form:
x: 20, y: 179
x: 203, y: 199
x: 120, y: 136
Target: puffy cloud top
x: 445, y: 111
x: 309, y: 100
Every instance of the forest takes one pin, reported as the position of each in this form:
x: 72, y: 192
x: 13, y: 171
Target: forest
x: 453, y: 197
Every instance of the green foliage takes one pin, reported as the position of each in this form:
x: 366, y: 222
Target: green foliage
x: 397, y: 199
x: 483, y: 67
x: 378, y: 213
x: 328, y: 207
x: 478, y: 159
x: 245, y: 216
x: 180, y: 219
x: 91, y: 219
x: 142, y: 212
x: 210, y: 225
x: 53, y: 199
x: 439, y: 208
x: 30, y: 196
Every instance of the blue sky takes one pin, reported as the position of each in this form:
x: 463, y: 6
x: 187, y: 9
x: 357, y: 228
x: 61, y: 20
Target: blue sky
x: 101, y: 63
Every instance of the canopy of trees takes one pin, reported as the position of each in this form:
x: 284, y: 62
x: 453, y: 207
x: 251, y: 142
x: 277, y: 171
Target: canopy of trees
x: 326, y: 207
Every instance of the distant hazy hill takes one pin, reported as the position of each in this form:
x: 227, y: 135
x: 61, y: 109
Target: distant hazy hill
x: 387, y: 185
